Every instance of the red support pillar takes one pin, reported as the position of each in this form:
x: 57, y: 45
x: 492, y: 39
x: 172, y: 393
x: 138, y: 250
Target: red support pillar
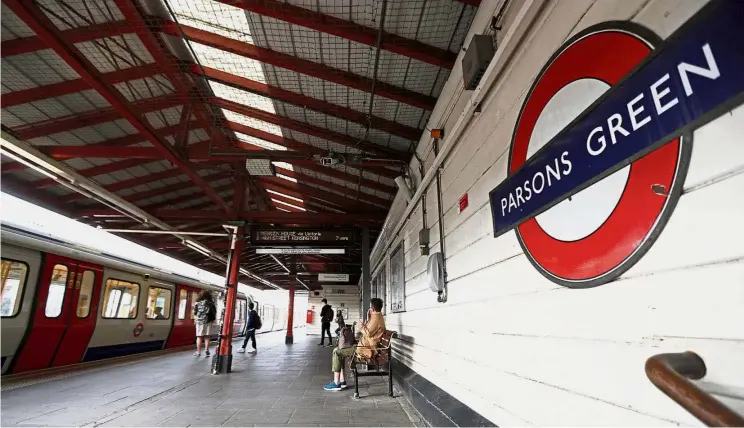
x: 223, y: 358
x: 290, y: 316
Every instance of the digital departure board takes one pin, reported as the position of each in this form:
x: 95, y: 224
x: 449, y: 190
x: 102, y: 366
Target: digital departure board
x: 301, y: 237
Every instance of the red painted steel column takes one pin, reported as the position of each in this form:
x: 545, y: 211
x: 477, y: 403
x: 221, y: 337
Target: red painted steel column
x: 290, y: 316
x: 223, y: 359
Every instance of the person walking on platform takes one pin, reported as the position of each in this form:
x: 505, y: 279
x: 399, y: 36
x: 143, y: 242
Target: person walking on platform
x: 204, y: 315
x: 372, y: 331
x: 326, y: 316
x: 254, y: 323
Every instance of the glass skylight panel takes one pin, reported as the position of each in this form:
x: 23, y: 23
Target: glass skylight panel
x: 287, y: 204
x: 284, y: 165
x: 213, y: 16
x: 259, y: 167
x: 259, y: 142
x: 229, y: 62
x: 286, y: 196
x: 242, y: 97
x: 253, y: 123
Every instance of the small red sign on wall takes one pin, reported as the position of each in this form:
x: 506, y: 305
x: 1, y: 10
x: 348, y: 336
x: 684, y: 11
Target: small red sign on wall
x: 463, y: 202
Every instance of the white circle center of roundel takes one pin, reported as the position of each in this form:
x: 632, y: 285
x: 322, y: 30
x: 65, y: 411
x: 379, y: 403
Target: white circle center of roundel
x: 581, y: 215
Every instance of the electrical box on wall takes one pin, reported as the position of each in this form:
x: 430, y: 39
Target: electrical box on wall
x: 424, y: 241
x: 476, y: 60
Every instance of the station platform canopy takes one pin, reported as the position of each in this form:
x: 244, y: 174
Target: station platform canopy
x: 183, y: 115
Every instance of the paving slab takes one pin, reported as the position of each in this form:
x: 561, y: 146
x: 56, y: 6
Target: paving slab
x: 281, y: 385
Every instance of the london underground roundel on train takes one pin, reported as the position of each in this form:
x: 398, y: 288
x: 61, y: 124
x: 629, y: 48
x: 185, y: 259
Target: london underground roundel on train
x: 595, y: 235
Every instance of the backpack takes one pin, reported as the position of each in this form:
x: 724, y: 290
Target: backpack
x: 211, y: 312
x: 257, y: 321
x: 345, y: 338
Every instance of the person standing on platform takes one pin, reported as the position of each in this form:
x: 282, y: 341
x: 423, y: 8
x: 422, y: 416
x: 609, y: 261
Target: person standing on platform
x: 254, y: 323
x: 372, y: 331
x: 204, y: 315
x: 326, y: 316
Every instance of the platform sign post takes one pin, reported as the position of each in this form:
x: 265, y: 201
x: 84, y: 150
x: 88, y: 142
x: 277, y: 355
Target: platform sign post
x: 222, y: 360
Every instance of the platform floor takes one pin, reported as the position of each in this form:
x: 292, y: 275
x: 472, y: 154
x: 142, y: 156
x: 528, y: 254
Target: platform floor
x: 281, y: 385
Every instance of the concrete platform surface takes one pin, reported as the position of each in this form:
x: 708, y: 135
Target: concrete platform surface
x: 281, y: 385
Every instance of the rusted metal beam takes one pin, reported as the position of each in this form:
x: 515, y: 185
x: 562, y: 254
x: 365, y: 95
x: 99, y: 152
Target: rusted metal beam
x: 263, y: 217
x: 331, y: 172
x: 316, y: 131
x: 77, y: 85
x: 301, y: 178
x: 290, y: 62
x: 671, y: 373
x: 277, y: 93
x: 74, y: 35
x: 47, y: 31
x: 95, y: 117
x: 343, y: 202
x: 347, y: 30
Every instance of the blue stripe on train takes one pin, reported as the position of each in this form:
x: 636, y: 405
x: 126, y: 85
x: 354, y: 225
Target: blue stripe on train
x: 111, y: 351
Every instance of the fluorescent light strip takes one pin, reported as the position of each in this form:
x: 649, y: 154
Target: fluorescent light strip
x: 285, y: 196
x: 28, y: 164
x: 288, y: 204
x: 293, y: 180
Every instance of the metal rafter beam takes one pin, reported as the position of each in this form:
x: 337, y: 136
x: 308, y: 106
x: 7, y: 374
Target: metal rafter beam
x: 157, y: 48
x: 90, y: 118
x: 290, y: 62
x: 347, y: 29
x: 174, y: 188
x: 343, y: 202
x: 263, y: 217
x: 315, y: 131
x: 197, y: 152
x: 351, y: 178
x: 132, y: 182
x: 177, y: 200
x: 77, y: 85
x: 277, y: 93
x: 276, y: 139
x: 94, y: 171
x: 74, y: 35
x: 301, y: 178
x: 40, y: 24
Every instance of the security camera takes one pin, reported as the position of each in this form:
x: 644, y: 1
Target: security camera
x: 147, y: 276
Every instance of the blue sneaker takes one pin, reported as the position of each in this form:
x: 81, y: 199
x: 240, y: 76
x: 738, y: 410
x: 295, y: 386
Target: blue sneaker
x: 343, y: 385
x: 332, y: 386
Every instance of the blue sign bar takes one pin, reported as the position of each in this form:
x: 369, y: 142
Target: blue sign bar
x: 694, y: 77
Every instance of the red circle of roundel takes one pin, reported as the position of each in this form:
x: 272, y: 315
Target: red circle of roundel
x: 607, y: 55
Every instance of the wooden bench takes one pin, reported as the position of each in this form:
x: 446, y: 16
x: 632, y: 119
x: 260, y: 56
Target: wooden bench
x: 381, y: 356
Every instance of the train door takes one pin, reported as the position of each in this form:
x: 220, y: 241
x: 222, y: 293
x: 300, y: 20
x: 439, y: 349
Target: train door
x: 55, y: 298
x: 81, y: 320
x: 183, y: 325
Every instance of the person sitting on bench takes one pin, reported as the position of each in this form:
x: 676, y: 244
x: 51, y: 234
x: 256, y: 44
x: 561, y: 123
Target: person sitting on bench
x: 372, y: 331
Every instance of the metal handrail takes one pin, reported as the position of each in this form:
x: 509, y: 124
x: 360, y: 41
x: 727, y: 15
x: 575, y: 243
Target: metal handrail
x: 671, y: 373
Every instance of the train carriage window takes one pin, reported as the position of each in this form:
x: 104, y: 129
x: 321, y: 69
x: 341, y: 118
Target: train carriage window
x: 120, y: 299
x: 56, y: 294
x: 13, y: 280
x: 158, y: 303
x: 86, y: 294
x: 183, y: 298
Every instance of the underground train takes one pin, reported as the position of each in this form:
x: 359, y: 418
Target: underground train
x: 64, y: 304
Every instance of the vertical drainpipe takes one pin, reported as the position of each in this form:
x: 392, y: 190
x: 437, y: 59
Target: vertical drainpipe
x: 443, y: 295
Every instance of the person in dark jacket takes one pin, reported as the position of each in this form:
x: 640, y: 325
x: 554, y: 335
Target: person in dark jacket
x: 250, y: 329
x: 326, y: 316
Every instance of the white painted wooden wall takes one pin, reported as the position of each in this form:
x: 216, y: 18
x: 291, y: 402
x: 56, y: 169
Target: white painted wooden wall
x: 350, y: 299
x: 522, y: 350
